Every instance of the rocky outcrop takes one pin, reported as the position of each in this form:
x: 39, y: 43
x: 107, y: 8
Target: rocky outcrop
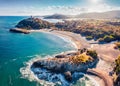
x: 16, y: 30
x: 68, y: 76
x: 33, y: 23
x: 65, y: 65
x: 60, y: 56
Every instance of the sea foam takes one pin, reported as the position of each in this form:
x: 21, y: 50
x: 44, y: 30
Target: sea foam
x: 52, y: 78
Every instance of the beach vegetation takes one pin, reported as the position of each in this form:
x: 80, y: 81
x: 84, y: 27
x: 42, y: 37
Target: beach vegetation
x: 117, y: 65
x: 100, y: 30
x: 116, y: 75
x: 92, y: 53
x: 81, y: 58
x: 107, y: 38
x: 89, y: 37
x: 117, y: 45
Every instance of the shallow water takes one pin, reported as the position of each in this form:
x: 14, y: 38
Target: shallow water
x: 18, y: 49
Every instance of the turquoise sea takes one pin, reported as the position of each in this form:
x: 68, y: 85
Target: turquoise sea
x: 16, y: 49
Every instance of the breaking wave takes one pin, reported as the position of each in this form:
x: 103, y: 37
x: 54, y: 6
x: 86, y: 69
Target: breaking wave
x: 47, y: 78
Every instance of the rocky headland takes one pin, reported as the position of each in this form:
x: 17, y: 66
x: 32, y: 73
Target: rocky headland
x: 65, y: 64
x: 31, y: 24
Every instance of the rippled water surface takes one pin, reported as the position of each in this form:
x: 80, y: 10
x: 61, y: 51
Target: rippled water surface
x: 18, y: 49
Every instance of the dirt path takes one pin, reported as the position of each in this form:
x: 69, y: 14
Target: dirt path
x: 103, y: 75
x: 106, y: 51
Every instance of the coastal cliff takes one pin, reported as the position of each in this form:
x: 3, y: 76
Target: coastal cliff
x: 65, y: 64
x: 33, y: 23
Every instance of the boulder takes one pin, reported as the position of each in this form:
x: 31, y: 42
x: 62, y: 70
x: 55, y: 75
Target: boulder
x: 68, y: 76
x: 60, y: 56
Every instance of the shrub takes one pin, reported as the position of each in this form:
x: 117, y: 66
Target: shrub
x: 107, y: 38
x: 92, y: 53
x: 117, y: 72
x: 89, y: 37
x: 82, y: 58
x: 117, y: 65
x: 117, y: 45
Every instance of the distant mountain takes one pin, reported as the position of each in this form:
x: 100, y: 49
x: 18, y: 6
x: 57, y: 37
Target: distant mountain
x: 94, y: 15
x: 101, y: 15
x: 56, y: 16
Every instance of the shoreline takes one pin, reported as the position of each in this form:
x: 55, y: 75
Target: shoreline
x: 80, y: 42
x: 65, y: 35
x: 106, y: 52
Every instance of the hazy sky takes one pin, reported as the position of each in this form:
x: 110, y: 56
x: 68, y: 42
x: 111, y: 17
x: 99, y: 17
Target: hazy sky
x: 46, y: 7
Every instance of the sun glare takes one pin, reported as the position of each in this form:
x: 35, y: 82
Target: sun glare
x: 95, y: 1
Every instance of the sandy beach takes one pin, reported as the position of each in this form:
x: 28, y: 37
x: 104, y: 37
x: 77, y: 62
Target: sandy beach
x: 78, y: 40
x: 106, y: 52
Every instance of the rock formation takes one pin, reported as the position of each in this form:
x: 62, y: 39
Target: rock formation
x: 33, y: 23
x: 67, y: 64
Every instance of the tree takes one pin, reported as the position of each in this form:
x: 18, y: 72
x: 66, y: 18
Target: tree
x: 117, y: 65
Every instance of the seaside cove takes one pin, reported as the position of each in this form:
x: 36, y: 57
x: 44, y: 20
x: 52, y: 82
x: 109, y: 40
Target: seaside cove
x: 67, y: 65
x: 89, y: 79
x: 56, y: 77
x: 59, y: 42
x: 17, y: 49
x: 53, y: 57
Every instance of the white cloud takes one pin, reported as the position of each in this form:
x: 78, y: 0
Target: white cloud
x: 95, y: 1
x: 101, y: 8
x: 68, y: 10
